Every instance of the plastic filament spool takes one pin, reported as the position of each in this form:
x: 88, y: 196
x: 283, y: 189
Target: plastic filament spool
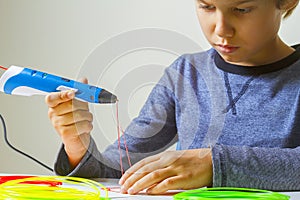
x: 72, y: 188
x: 229, y: 194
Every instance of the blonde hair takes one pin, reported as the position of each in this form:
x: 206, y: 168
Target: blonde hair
x: 288, y: 12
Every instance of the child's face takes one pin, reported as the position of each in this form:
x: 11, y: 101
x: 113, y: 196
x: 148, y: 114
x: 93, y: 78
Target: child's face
x: 244, y: 32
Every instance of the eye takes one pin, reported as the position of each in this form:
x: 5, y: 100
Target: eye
x: 206, y: 7
x: 242, y: 10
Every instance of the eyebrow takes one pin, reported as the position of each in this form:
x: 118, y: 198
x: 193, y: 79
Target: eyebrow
x: 244, y: 1
x: 201, y: 1
x: 236, y: 3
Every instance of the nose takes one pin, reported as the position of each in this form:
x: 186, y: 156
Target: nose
x: 223, y: 26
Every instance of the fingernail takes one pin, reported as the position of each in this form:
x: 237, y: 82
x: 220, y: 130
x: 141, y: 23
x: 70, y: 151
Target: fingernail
x: 131, y: 191
x: 121, y: 181
x: 123, y: 190
x: 70, y: 94
x: 149, y: 191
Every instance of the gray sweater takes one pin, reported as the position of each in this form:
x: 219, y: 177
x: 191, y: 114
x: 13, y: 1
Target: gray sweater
x: 249, y: 116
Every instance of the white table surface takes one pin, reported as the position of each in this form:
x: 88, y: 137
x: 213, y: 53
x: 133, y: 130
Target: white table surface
x: 113, y: 194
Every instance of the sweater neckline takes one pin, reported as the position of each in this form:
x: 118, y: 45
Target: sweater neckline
x: 256, y: 70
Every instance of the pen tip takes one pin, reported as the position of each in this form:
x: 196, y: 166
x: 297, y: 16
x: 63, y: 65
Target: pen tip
x: 107, y: 97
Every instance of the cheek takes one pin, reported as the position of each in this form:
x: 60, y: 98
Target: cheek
x: 259, y: 31
x: 206, y: 26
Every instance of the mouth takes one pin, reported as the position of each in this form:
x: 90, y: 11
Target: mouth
x: 227, y: 49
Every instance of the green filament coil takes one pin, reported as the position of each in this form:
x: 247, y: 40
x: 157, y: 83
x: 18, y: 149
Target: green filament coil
x: 229, y: 193
x: 72, y: 188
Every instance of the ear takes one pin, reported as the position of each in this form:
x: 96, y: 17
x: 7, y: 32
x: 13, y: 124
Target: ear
x: 287, y: 5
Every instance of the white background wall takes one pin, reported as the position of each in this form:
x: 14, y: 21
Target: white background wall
x: 58, y: 36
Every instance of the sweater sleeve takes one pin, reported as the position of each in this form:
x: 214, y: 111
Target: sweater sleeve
x: 153, y: 131
x: 91, y: 165
x: 253, y: 167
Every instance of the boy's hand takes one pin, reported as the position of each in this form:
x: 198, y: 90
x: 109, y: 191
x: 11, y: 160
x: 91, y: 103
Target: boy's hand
x: 169, y: 170
x: 73, y: 121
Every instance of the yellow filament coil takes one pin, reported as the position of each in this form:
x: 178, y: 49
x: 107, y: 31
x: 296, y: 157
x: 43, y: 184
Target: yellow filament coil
x: 72, y: 188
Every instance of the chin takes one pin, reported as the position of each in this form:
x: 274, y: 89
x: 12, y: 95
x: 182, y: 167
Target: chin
x: 232, y: 59
x: 236, y: 60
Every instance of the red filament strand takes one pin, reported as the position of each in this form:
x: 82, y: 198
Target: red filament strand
x: 3, y: 68
x: 119, y: 141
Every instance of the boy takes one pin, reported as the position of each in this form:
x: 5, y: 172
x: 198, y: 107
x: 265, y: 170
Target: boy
x: 234, y: 110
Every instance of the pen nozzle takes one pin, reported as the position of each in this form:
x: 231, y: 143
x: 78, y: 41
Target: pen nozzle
x: 107, y: 97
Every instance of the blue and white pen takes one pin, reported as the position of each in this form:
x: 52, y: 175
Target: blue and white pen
x: 27, y: 82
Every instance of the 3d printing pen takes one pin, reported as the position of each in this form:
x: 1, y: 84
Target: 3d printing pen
x: 27, y: 82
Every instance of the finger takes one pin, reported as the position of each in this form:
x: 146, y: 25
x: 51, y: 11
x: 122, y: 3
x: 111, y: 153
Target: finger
x: 170, y: 183
x: 152, y: 167
x: 67, y: 107
x: 55, y: 98
x: 136, y: 167
x: 150, y: 180
x: 52, y: 99
x: 83, y: 80
x: 72, y: 131
x: 72, y: 118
